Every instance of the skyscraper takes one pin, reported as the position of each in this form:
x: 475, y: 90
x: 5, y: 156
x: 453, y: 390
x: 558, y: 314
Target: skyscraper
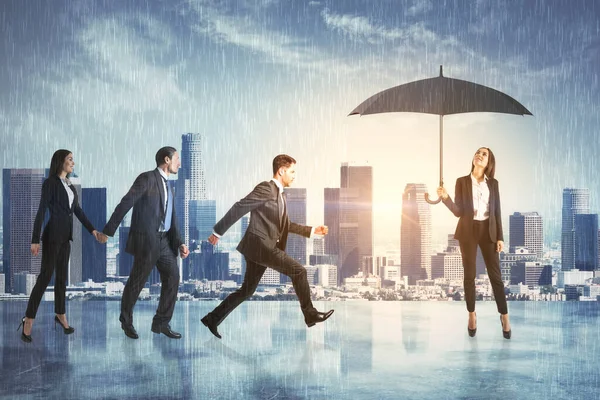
x: 318, y: 246
x: 586, y: 242
x: 349, y: 261
x: 527, y: 230
x: 415, y: 234
x: 21, y: 192
x: 356, y: 217
x: 202, y: 218
x: 296, y: 209
x: 575, y: 201
x: 191, y: 184
x: 93, y: 203
x: 332, y: 220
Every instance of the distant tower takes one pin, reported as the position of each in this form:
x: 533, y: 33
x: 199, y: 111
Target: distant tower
x: 93, y: 203
x: 415, y: 234
x: 190, y: 180
x: 586, y: 242
x: 21, y: 193
x: 296, y: 209
x: 356, y: 217
x: 575, y: 201
x: 332, y: 220
x: 527, y: 230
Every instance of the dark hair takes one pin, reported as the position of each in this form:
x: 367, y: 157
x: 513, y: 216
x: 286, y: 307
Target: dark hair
x: 490, y: 169
x: 282, y: 160
x: 58, y: 159
x: 163, y: 152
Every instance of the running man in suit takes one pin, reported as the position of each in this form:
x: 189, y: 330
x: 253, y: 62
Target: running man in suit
x: 264, y: 242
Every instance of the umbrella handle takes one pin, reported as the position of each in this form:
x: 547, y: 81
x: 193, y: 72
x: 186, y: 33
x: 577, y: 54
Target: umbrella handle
x: 432, y: 201
x: 438, y: 199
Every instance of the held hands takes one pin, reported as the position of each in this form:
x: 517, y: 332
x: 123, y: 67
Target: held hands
x: 183, y: 251
x: 321, y: 230
x: 499, y: 246
x: 35, y: 249
x: 100, y: 237
x: 441, y: 192
x: 212, y: 239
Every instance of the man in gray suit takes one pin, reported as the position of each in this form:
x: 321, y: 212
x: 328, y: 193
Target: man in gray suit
x: 263, y: 244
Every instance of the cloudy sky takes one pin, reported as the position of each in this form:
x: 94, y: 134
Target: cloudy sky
x: 115, y: 80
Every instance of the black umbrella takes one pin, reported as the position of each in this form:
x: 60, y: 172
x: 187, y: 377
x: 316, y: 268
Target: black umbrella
x: 441, y: 96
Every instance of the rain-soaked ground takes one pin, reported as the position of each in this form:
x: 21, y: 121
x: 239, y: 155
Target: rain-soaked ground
x: 367, y: 350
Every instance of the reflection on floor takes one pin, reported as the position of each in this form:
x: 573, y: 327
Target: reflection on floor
x: 367, y: 350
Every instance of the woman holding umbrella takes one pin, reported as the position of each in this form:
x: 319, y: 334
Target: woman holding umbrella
x: 477, y: 205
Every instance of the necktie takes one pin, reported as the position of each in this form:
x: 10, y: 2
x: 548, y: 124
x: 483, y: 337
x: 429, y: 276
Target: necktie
x: 169, y: 210
x: 282, y: 206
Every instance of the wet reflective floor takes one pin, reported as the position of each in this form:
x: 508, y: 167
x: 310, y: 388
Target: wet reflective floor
x: 366, y: 350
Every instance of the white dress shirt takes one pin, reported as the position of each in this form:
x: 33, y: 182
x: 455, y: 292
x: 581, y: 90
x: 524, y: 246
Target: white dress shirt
x: 165, y: 177
x: 66, y: 183
x: 481, y: 199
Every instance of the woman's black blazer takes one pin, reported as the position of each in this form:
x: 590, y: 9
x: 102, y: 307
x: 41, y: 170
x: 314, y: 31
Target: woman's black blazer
x: 462, y: 207
x: 59, y: 228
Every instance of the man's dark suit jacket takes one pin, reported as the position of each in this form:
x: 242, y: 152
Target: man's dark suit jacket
x: 267, y: 230
x: 147, y: 197
x: 463, y: 208
x: 59, y: 228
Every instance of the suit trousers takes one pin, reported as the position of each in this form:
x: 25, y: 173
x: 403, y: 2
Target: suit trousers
x: 54, y: 256
x: 468, y: 250
x: 281, y: 262
x: 166, y: 263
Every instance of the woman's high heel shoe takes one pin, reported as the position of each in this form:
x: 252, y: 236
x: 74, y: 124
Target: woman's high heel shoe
x: 472, y: 332
x: 24, y: 337
x: 507, y: 333
x: 68, y: 330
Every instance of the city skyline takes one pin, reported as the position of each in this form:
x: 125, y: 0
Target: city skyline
x: 257, y: 82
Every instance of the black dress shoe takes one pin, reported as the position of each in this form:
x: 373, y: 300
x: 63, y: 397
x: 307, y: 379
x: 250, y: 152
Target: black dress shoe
x: 129, y: 331
x: 506, y: 334
x: 68, y: 330
x: 24, y: 337
x: 209, y: 322
x: 166, y: 330
x: 315, y: 317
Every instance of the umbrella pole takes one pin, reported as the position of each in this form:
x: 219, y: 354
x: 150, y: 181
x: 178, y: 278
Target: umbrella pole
x: 441, y: 150
x: 441, y: 162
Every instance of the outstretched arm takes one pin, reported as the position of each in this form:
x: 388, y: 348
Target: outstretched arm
x: 254, y: 199
x: 301, y: 230
x: 137, y: 190
x: 83, y: 219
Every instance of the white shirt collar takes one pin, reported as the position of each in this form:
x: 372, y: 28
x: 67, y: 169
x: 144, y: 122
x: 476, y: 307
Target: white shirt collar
x: 279, y: 185
x: 163, y: 174
x: 474, y: 180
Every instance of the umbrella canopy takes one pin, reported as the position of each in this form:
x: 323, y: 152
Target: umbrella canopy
x: 440, y: 96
